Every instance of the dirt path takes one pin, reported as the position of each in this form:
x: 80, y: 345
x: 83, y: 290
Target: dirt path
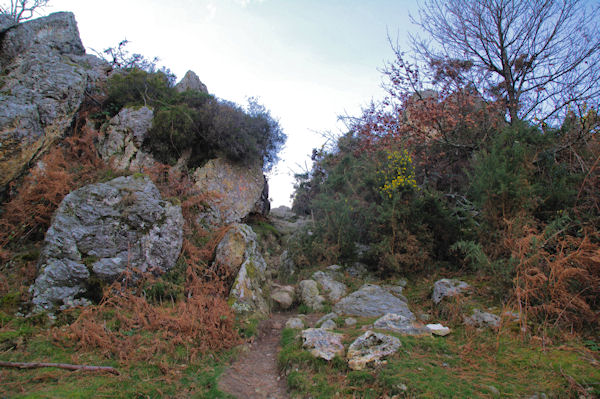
x: 255, y: 374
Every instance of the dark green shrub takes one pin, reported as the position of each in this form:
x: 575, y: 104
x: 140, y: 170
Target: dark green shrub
x: 196, y: 121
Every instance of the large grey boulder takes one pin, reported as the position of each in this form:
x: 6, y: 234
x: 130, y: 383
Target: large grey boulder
x: 322, y: 343
x: 370, y: 348
x: 120, y: 142
x: 232, y: 190
x: 102, y: 230
x: 447, y: 288
x: 238, y: 255
x: 191, y: 82
x: 44, y: 75
x: 372, y: 300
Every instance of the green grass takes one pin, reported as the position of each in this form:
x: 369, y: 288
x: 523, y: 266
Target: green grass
x: 467, y: 363
x: 167, y: 375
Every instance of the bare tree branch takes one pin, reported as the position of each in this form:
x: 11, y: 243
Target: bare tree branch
x: 66, y: 366
x: 537, y: 56
x: 22, y: 10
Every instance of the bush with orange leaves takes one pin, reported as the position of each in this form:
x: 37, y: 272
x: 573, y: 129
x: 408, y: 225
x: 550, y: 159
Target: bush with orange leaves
x: 558, y: 276
x: 126, y: 327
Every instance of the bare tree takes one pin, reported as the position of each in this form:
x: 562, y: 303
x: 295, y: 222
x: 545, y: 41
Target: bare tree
x: 21, y: 10
x: 538, y: 56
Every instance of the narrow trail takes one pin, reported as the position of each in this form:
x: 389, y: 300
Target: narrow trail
x: 255, y: 374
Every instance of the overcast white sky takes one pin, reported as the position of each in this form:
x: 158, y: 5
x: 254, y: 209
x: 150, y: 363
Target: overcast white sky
x: 308, y: 61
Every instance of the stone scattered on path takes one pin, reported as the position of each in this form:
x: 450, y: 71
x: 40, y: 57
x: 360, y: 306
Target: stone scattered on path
x: 438, y: 329
x: 401, y: 324
x: 350, y: 321
x: 322, y: 343
x: 371, y: 301
x: 295, y: 322
x: 334, y: 289
x: 482, y: 319
x: 309, y: 294
x: 370, y: 348
x: 447, y: 287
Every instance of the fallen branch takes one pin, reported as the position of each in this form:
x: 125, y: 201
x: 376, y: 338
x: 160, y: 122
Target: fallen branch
x: 60, y: 366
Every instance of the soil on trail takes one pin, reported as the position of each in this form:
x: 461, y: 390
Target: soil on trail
x: 255, y: 374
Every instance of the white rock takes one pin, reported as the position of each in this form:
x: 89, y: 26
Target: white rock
x: 438, y: 329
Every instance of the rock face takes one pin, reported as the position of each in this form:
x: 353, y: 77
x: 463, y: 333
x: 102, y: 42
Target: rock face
x: 121, y: 142
x: 101, y: 230
x: 482, y: 319
x: 238, y: 254
x: 372, y: 300
x: 44, y: 75
x: 322, y: 343
x: 447, y: 287
x: 233, y: 190
x: 400, y: 324
x: 334, y: 289
x: 309, y: 293
x: 191, y: 82
x: 370, y: 348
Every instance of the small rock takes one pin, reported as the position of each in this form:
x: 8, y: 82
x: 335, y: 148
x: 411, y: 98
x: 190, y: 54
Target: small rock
x: 334, y: 268
x: 350, y: 321
x: 370, y: 348
x: 328, y: 316
x: 322, y: 343
x: 295, y: 323
x: 438, y: 329
x: 328, y: 325
x: 400, y: 324
x: 482, y: 319
x: 493, y: 390
x: 309, y: 293
x: 447, y: 287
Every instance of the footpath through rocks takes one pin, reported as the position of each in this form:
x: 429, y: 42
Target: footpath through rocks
x: 255, y: 374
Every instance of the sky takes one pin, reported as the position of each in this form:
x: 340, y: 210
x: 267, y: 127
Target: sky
x: 307, y: 61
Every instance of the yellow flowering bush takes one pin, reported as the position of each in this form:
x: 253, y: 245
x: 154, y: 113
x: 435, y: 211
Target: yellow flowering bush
x: 398, y: 173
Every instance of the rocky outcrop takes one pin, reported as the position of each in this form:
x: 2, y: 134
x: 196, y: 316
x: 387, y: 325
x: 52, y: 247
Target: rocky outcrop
x: 372, y: 300
x: 322, y: 343
x: 101, y: 230
x: 191, y: 82
x: 44, y: 75
x: 263, y: 205
x: 238, y: 255
x: 309, y: 294
x: 446, y: 288
x: 120, y: 142
x: 370, y: 348
x: 232, y: 190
